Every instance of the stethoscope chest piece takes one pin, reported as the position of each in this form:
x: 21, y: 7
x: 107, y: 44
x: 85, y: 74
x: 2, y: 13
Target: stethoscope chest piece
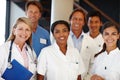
x: 9, y: 66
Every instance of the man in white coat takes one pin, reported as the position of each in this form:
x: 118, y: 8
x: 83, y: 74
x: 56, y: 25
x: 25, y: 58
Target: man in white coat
x: 94, y: 41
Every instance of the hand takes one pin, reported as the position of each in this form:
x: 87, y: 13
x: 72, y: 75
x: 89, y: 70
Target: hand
x: 96, y: 77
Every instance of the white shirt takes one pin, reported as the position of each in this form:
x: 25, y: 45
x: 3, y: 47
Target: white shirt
x: 97, y: 42
x: 4, y: 53
x: 107, y: 65
x: 90, y: 46
x: 54, y: 65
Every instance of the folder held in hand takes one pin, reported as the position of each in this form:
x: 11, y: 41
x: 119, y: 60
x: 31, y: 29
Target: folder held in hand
x: 17, y: 72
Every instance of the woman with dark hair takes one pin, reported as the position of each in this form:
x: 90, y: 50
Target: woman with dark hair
x: 106, y: 65
x: 60, y: 61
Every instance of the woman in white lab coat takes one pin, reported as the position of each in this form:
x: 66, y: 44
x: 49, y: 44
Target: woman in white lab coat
x: 106, y: 65
x: 18, y: 48
x: 60, y: 61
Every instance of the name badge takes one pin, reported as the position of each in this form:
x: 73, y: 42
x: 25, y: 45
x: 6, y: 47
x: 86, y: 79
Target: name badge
x: 43, y: 41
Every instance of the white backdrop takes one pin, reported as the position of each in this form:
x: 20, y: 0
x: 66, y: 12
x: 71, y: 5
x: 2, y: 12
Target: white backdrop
x: 2, y: 20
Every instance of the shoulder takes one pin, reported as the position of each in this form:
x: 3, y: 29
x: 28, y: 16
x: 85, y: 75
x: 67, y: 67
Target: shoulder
x: 6, y: 44
x: 86, y: 36
x: 87, y: 39
x: 47, y: 49
x: 100, y: 56
x: 40, y: 28
x: 117, y: 52
x: 4, y: 49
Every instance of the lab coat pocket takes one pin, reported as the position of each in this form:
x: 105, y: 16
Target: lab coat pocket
x: 74, y: 70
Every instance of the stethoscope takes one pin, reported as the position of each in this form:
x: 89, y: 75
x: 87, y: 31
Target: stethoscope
x: 9, y: 66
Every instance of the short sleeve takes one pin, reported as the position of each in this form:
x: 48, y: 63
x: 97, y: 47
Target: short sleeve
x: 41, y: 63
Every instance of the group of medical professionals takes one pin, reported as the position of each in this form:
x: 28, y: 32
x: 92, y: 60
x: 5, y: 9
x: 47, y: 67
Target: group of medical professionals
x: 29, y: 54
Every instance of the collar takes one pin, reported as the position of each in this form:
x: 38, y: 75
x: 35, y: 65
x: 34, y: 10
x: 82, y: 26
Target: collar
x: 81, y: 36
x: 115, y: 51
x: 23, y: 48
x: 57, y: 47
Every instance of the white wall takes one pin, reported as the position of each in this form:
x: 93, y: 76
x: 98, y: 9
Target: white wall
x: 2, y: 20
x: 16, y: 12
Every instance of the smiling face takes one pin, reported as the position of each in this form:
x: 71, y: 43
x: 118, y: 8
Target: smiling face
x: 61, y: 34
x: 22, y: 32
x: 77, y: 21
x: 110, y: 36
x: 94, y: 24
x: 33, y: 13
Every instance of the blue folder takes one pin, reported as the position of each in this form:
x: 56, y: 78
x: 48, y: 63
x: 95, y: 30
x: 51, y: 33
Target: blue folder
x: 17, y: 72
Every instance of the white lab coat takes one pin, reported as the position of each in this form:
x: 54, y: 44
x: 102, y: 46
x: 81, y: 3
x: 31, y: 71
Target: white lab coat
x: 89, y: 48
x: 56, y: 66
x: 107, y: 65
x: 4, y: 53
